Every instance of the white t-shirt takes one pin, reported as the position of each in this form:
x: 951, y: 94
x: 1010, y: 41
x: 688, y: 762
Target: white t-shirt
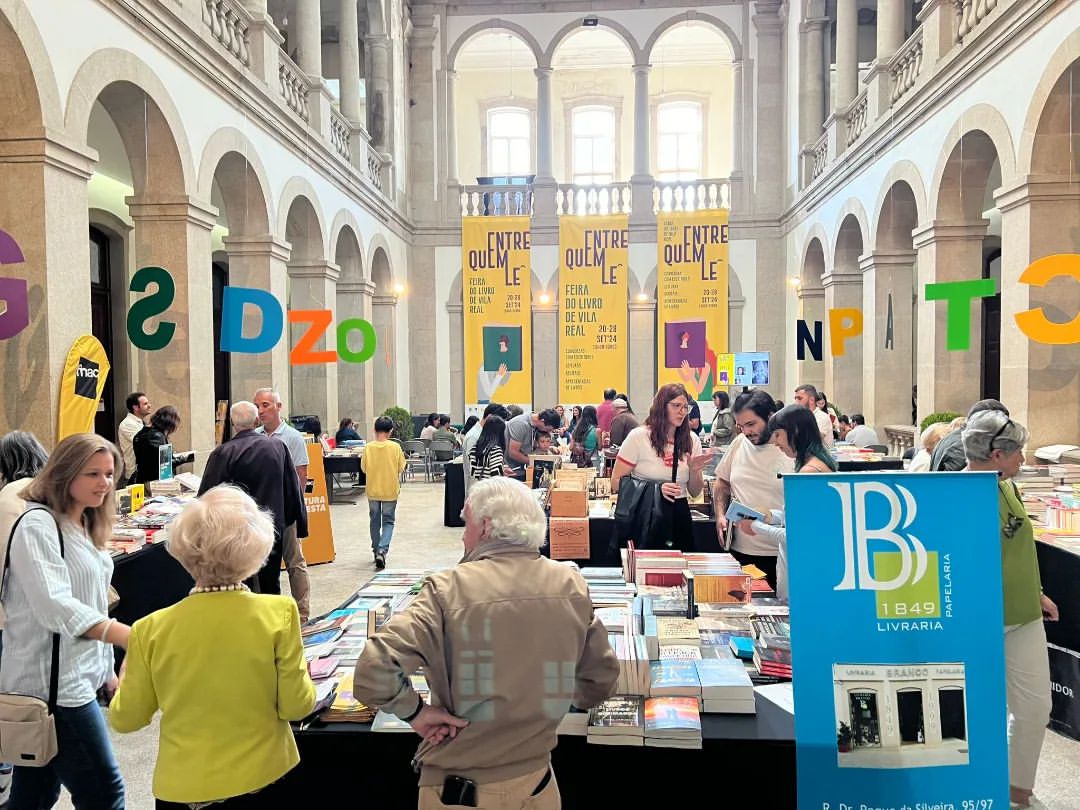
x: 862, y: 436
x: 824, y: 424
x: 752, y: 473
x: 638, y: 452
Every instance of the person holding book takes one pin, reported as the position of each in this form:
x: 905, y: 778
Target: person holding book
x: 225, y: 667
x: 383, y: 462
x: 487, y: 740
x: 995, y: 442
x: 487, y: 458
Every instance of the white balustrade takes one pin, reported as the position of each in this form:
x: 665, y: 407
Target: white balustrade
x: 228, y: 22
x: 856, y: 118
x: 906, y: 65
x: 294, y: 86
x: 375, y: 165
x: 692, y: 195
x: 579, y: 200
x: 340, y: 131
x: 970, y: 13
x: 819, y: 158
x: 491, y: 201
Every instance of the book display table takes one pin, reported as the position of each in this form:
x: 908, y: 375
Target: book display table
x: 1060, y: 571
x: 336, y: 465
x: 752, y: 754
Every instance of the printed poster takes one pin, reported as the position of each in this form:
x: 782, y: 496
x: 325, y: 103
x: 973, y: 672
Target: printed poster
x: 692, y: 299
x: 81, y: 386
x: 593, y: 272
x: 495, y: 257
x: 319, y: 545
x: 901, y: 702
x: 751, y: 368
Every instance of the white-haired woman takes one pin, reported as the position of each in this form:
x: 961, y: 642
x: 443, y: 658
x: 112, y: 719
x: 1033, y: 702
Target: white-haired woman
x: 225, y: 666
x: 994, y: 442
x: 928, y: 440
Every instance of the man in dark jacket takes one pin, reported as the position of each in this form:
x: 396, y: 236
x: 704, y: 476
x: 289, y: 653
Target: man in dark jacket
x: 949, y: 456
x: 261, y: 467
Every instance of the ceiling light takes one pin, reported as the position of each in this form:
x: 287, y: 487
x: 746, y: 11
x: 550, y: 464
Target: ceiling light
x: 642, y: 297
x: 591, y: 21
x: 399, y: 289
x: 545, y: 298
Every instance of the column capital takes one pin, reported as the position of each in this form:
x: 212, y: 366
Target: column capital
x: 265, y: 245
x: 886, y: 258
x: 814, y: 25
x: 177, y: 208
x: 835, y: 279
x: 424, y: 35
x: 362, y: 287
x: 314, y: 268
x: 54, y: 149
x: 641, y: 68
x: 811, y: 294
x: 941, y: 231
x: 1035, y: 188
x: 384, y: 300
x: 637, y: 305
x: 543, y: 72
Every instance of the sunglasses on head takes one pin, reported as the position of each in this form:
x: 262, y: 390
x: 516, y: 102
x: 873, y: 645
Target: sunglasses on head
x: 1000, y: 430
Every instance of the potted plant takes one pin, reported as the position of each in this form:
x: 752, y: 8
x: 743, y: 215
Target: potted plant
x: 843, y: 738
x: 403, y: 423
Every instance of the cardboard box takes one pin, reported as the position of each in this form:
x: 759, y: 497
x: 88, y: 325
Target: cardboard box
x: 569, y: 502
x: 569, y: 538
x: 575, y: 476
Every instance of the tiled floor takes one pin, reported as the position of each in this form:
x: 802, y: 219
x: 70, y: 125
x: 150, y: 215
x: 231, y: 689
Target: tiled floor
x: 420, y: 541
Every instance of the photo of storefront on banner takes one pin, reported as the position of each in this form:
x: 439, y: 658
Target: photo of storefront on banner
x: 899, y: 660
x: 594, y: 268
x: 497, y: 271
x: 692, y: 299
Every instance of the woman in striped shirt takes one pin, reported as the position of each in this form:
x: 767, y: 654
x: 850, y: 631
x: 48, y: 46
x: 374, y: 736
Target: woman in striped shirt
x: 46, y: 593
x: 487, y: 457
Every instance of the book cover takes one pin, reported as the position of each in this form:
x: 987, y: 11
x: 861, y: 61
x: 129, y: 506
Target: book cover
x: 672, y: 715
x: 737, y: 511
x: 622, y: 714
x: 502, y: 347
x: 719, y: 674
x: 320, y: 668
x: 322, y: 637
x: 742, y: 646
x: 684, y: 342
x: 674, y: 677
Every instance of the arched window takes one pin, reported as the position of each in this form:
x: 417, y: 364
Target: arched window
x: 509, y: 150
x: 593, y: 130
x: 679, y: 141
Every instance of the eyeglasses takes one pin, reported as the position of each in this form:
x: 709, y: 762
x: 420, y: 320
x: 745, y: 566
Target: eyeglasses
x: 1000, y: 430
x: 679, y: 406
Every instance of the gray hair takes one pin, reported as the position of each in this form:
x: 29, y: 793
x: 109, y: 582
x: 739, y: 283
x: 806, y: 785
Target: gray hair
x: 244, y: 415
x: 512, y: 510
x: 987, y: 431
x: 271, y: 391
x: 21, y: 456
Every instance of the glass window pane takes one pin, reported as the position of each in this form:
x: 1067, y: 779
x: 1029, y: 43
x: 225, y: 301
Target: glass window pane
x: 519, y: 156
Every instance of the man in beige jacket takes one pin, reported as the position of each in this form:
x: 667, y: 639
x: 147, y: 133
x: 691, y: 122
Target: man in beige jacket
x: 514, y: 633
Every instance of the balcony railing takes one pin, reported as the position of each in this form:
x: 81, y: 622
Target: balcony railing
x: 856, y: 118
x: 340, y: 133
x: 496, y: 201
x: 228, y: 22
x: 906, y: 66
x: 580, y: 200
x: 692, y: 195
x: 294, y: 86
x: 971, y: 13
x: 819, y: 157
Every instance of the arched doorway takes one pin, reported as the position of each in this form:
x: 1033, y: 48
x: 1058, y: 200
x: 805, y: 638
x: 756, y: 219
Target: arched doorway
x: 384, y: 318
x: 354, y: 300
x: 844, y: 290
x: 101, y: 324
x: 812, y: 311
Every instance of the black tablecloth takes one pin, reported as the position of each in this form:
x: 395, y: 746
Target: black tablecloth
x: 746, y: 760
x: 1060, y: 571
x: 601, y: 530
x: 342, y: 465
x: 453, y: 494
x: 147, y: 580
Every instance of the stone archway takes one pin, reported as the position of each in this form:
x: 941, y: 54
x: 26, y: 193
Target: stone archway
x: 812, y: 310
x: 354, y: 300
x: 384, y: 317
x: 843, y: 290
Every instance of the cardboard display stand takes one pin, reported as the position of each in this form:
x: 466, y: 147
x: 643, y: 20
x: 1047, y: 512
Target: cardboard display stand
x: 319, y: 545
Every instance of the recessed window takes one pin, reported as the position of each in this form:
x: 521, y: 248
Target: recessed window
x: 679, y: 141
x: 593, y: 132
x: 509, y: 147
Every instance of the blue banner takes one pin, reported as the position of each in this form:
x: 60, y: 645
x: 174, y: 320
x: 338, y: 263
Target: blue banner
x: 897, y: 630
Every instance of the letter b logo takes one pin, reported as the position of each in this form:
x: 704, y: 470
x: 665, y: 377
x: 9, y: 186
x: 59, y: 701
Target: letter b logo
x: 857, y: 536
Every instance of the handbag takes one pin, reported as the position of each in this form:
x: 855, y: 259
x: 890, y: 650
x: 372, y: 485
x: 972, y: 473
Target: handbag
x: 644, y: 515
x: 28, y: 724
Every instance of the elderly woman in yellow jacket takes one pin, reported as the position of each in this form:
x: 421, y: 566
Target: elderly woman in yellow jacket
x: 225, y: 666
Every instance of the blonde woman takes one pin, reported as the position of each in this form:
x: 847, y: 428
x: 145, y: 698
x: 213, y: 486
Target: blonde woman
x: 928, y: 441
x: 224, y: 666
x: 47, y: 591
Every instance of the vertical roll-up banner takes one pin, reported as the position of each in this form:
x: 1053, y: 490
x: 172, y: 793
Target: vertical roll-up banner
x: 497, y: 285
x: 81, y: 386
x: 692, y: 298
x: 593, y: 266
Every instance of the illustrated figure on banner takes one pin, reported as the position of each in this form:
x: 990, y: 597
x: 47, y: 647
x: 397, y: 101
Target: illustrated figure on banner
x: 700, y: 382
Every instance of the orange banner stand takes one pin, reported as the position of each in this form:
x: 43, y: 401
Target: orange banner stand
x: 319, y: 545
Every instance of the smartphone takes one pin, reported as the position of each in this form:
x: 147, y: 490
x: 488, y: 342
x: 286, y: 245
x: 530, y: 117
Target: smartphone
x: 457, y: 790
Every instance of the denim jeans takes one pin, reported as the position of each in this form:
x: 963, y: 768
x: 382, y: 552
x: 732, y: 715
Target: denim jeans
x: 84, y: 764
x: 382, y: 524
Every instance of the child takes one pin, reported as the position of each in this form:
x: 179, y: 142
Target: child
x: 383, y: 463
x: 542, y: 443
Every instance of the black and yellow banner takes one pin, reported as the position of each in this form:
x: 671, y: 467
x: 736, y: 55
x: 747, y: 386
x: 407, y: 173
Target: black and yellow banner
x: 593, y: 271
x: 497, y: 268
x: 692, y: 298
x: 81, y: 386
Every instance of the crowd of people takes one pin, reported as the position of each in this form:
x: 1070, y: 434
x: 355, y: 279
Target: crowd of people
x: 56, y: 515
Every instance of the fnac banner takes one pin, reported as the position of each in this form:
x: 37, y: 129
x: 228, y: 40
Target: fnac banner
x: 905, y: 704
x: 692, y: 298
x: 81, y: 386
x: 593, y: 266
x: 496, y: 259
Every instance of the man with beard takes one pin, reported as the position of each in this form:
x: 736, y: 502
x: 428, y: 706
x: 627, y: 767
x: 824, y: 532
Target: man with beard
x: 750, y: 474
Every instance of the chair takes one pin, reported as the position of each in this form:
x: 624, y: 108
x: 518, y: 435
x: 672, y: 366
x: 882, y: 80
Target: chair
x: 416, y: 457
x: 444, y: 446
x: 878, y: 448
x: 910, y: 453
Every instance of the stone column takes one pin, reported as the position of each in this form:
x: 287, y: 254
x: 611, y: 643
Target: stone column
x: 384, y: 372
x: 812, y: 95
x: 379, y: 112
x: 947, y: 380
x: 545, y: 362
x: 544, y: 186
x: 847, y: 54
x: 422, y: 301
x: 890, y: 28
x: 812, y: 310
x: 421, y: 132
x: 260, y: 262
x: 314, y: 388
x: 47, y: 220
x: 349, y: 47
x: 738, y: 125
x: 1040, y: 382
x: 450, y: 130
x: 642, y: 328
x: 308, y: 28
x: 355, y: 380
x: 174, y: 233
x: 843, y: 374
x: 641, y: 182
x: 769, y: 108
x: 888, y: 277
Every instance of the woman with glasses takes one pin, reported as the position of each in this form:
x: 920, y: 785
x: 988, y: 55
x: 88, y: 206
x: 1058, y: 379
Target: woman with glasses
x: 994, y: 442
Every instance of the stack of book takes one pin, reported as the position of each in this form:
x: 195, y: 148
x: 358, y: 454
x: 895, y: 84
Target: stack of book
x: 575, y: 722
x: 384, y: 721
x: 672, y: 722
x: 671, y: 678
x: 346, y: 708
x: 1034, y: 479
x: 656, y: 567
x: 717, y: 578
x: 618, y: 721
x: 772, y: 657
x: 633, y: 658
x: 726, y: 687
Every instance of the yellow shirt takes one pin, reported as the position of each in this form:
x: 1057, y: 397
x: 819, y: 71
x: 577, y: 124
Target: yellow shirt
x: 382, y: 463
x: 227, y: 671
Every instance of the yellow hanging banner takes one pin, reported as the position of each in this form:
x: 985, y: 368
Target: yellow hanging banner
x: 692, y: 298
x: 319, y: 546
x: 593, y: 270
x: 497, y: 268
x: 81, y: 386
